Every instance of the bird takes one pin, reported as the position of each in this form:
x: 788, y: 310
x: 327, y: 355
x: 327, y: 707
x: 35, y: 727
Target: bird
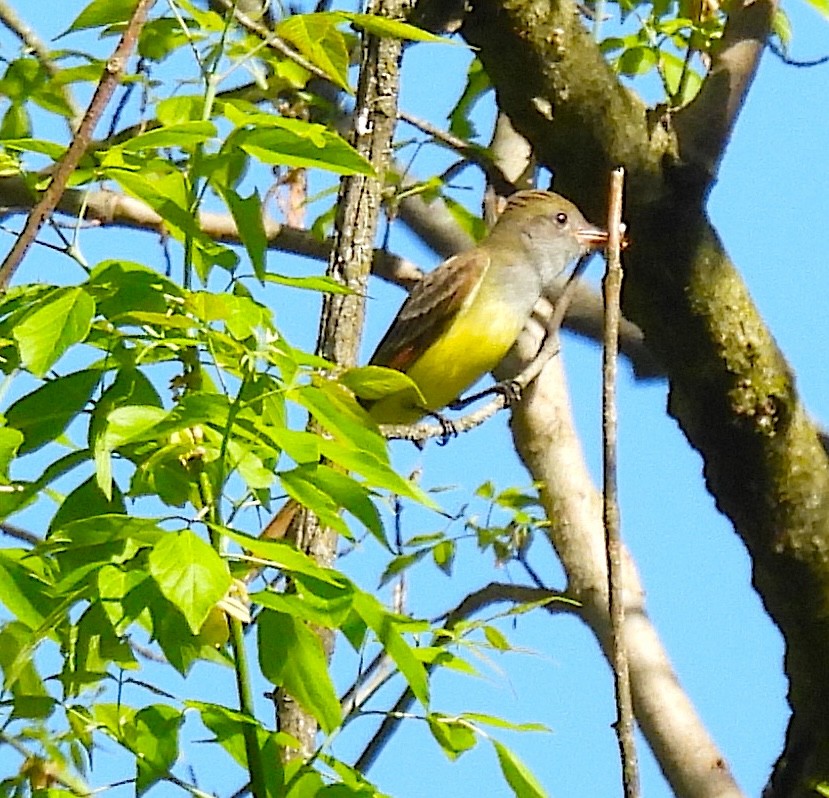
x: 462, y: 318
x: 460, y: 321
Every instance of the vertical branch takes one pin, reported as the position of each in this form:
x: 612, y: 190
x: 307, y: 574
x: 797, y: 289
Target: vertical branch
x: 103, y: 93
x: 612, y: 286
x: 341, y: 324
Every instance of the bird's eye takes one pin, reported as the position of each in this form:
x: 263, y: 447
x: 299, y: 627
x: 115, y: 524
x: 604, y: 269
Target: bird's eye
x: 561, y: 218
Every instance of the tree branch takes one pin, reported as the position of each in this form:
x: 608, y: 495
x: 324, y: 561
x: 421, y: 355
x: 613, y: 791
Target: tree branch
x: 548, y: 444
x: 341, y: 323
x: 110, y: 79
x: 731, y: 389
x: 704, y: 126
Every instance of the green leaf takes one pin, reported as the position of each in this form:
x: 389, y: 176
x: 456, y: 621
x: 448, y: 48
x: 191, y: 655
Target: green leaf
x: 55, y: 323
x: 292, y: 656
x: 472, y: 225
x: 122, y: 286
x: 352, y: 496
x: 96, y: 647
x: 103, y: 12
x: 190, y: 574
x: 183, y: 134
x: 294, y: 142
x: 19, y: 672
x: 302, y: 486
x: 517, y: 775
x: 401, y: 563
x: 444, y: 555
x: 247, y: 213
x: 284, y: 556
x: 453, y: 735
x: 134, y: 422
x: 228, y: 726
x: 88, y: 501
x: 375, y: 382
x: 496, y: 638
x: 319, y: 602
x: 377, y: 472
x: 45, y: 413
x: 52, y: 149
x: 154, y: 737
x: 321, y: 283
x: 385, y: 627
x: 316, y: 37
x: 335, y: 408
x: 673, y: 68
x: 24, y: 593
x: 167, y: 195
x: 477, y: 84
x: 637, y: 60
x: 10, y: 442
x: 241, y: 315
x: 382, y: 26
x: 500, y: 723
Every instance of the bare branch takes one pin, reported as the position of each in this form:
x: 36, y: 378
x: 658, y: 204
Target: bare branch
x: 19, y: 533
x: 549, y: 446
x: 704, y: 126
x: 610, y: 498
x: 110, y: 79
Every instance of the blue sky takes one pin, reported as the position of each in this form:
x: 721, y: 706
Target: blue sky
x: 769, y: 206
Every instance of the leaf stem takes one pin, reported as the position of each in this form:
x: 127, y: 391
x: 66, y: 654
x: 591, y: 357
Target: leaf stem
x: 256, y: 767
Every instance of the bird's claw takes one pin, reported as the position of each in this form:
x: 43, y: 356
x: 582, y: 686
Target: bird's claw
x: 511, y: 390
x: 449, y: 429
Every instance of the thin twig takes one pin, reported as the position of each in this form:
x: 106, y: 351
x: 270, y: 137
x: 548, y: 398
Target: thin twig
x: 610, y: 508
x: 492, y: 593
x: 33, y: 42
x: 20, y: 534
x: 476, y: 154
x: 109, y: 80
x: 805, y: 64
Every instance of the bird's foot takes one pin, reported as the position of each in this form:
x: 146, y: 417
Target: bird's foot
x: 449, y: 429
x: 511, y: 390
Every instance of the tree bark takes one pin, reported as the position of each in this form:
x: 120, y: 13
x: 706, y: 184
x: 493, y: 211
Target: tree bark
x: 341, y: 323
x: 730, y: 388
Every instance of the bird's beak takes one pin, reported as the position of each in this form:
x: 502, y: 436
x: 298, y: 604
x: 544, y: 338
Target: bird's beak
x: 591, y: 237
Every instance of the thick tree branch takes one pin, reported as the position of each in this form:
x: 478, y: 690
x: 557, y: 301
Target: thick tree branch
x: 341, y: 322
x: 731, y: 389
x: 549, y: 446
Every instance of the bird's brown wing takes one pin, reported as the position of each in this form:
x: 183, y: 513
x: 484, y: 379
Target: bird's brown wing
x: 429, y: 309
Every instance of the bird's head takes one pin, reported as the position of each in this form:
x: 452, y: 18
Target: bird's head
x: 548, y: 225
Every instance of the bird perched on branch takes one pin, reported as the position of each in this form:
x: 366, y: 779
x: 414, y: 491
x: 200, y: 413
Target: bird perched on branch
x: 460, y: 321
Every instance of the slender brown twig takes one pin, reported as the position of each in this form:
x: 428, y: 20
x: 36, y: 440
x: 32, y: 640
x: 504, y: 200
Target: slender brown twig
x: 610, y: 506
x: 50, y: 199
x: 492, y: 593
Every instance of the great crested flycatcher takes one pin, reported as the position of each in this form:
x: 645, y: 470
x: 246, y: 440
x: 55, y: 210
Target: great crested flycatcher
x: 460, y: 321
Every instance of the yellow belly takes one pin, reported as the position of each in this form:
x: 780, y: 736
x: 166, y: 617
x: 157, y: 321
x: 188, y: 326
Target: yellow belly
x: 474, y: 344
